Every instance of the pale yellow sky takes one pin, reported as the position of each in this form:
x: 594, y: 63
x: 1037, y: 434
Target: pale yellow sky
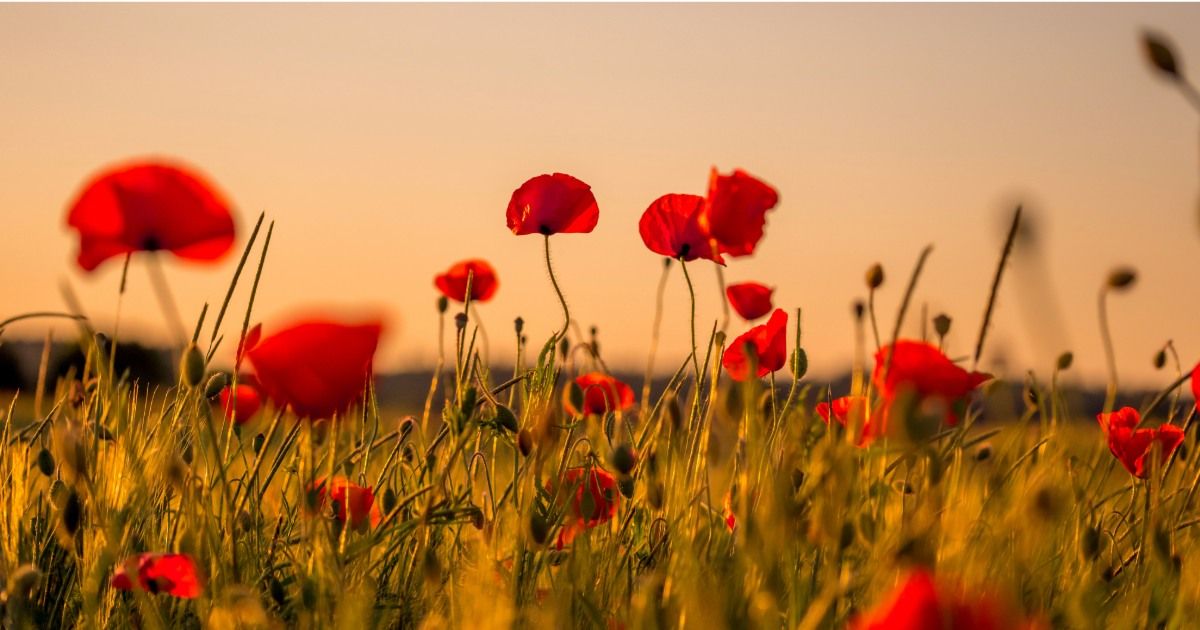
x: 386, y: 140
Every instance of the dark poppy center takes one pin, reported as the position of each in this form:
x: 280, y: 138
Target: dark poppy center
x: 151, y: 244
x: 685, y: 250
x: 545, y: 230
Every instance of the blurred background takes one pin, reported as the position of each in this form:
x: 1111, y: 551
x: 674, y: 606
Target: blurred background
x: 385, y: 142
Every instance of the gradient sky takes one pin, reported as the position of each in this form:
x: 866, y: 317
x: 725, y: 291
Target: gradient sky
x: 385, y: 142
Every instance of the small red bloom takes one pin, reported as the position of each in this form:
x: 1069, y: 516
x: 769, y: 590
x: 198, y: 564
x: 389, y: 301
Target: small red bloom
x: 171, y: 573
x: 736, y: 209
x: 552, y: 204
x: 601, y: 394
x: 248, y: 402
x: 671, y: 227
x: 595, y: 501
x: 845, y: 409
x: 1130, y: 444
x: 1196, y: 383
x: 919, y: 604
x: 751, y: 300
x: 319, y: 368
x: 453, y: 283
x: 770, y: 348
x: 148, y: 206
x: 350, y: 502
x: 922, y: 370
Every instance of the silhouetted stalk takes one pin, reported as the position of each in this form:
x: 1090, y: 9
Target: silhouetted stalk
x: 724, y: 298
x: 1110, y: 391
x: 166, y: 301
x: 871, y: 312
x: 237, y: 273
x: 912, y: 285
x: 558, y: 291
x: 692, y: 321
x: 654, y: 335
x: 991, y: 303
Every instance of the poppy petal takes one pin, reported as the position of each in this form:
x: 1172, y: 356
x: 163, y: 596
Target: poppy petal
x: 552, y: 204
x: 751, y: 300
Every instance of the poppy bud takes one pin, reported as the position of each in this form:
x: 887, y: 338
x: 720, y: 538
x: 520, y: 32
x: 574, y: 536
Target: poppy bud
x: 1159, y: 53
x: 22, y: 582
x: 1160, y: 359
x: 941, y: 324
x: 45, y: 462
x: 575, y: 396
x: 1162, y: 543
x: 176, y: 471
x: 1090, y: 544
x: 983, y: 453
x: 468, y: 403
x: 389, y: 500
x: 624, y: 459
x: 519, y: 325
x: 539, y: 530
x: 460, y: 321
x: 476, y: 517
x: 406, y: 427
x: 191, y: 366
x: 71, y: 513
x: 216, y: 383
x: 847, y: 535
x: 1064, y: 361
x: 564, y: 347
x: 70, y: 450
x: 442, y: 304
x: 874, y: 276
x: 1121, y: 278
x: 799, y: 363
x: 859, y: 309
x: 525, y: 442
x: 666, y: 263
x: 625, y: 485
x: 258, y: 442
x: 506, y: 419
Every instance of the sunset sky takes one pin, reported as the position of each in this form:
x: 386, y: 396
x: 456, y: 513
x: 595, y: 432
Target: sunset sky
x: 385, y: 141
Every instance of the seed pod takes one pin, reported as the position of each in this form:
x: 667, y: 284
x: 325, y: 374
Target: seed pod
x: 389, y: 500
x: 941, y: 324
x: 71, y: 513
x: 191, y: 366
x: 216, y: 383
x: 983, y: 453
x: 525, y: 442
x: 1160, y: 359
x: 258, y: 442
x: 245, y: 521
x: 406, y: 427
x: 442, y: 304
x: 308, y: 593
x: 505, y: 419
x: 518, y: 325
x: 799, y: 363
x: 45, y: 462
x: 460, y: 321
x: 564, y: 347
x: 674, y: 413
x: 624, y: 458
x: 656, y: 495
x: 278, y: 594
x: 1090, y: 543
x: 847, y: 535
x: 1121, y: 278
x: 874, y: 276
x: 1064, y: 361
x: 1159, y: 53
x: 626, y: 486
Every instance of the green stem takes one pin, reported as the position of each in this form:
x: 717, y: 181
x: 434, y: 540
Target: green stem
x: 692, y: 295
x: 562, y: 300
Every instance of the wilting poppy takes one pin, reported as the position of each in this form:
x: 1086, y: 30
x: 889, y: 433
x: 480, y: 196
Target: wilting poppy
x: 1131, y: 445
x: 171, y: 573
x: 595, y: 500
x: 751, y: 300
x: 150, y: 206
x: 601, y: 394
x: 920, y: 369
x: 318, y: 368
x: 735, y: 210
x: 453, y: 283
x: 248, y: 401
x: 769, y: 341
x: 919, y: 604
x: 552, y: 204
x: 671, y: 227
x: 351, y: 503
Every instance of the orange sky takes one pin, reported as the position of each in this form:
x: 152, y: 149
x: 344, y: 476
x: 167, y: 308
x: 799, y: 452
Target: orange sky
x: 386, y: 140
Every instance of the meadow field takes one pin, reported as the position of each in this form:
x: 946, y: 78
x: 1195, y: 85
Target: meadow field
x: 539, y: 490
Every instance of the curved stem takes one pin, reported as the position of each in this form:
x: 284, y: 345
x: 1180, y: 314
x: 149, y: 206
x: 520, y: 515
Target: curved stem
x: 658, y: 310
x: 1110, y: 392
x: 562, y: 300
x: 692, y: 295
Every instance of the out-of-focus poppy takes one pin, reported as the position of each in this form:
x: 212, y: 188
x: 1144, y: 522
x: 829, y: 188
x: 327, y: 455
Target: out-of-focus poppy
x: 601, y: 394
x: 552, y: 204
x: 1130, y: 444
x: 920, y: 369
x: 919, y: 604
x: 351, y: 503
x: 595, y: 501
x: 727, y: 512
x: 751, y: 300
x: 769, y: 342
x: 735, y: 210
x: 453, y: 283
x: 150, y: 206
x: 671, y: 227
x: 248, y: 400
x: 171, y: 573
x: 1196, y: 383
x: 844, y: 409
x: 316, y: 367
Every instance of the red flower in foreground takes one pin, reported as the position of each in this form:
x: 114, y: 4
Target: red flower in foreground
x: 671, y: 227
x: 919, y: 604
x: 319, y: 368
x: 171, y: 573
x: 550, y: 204
x: 1131, y: 445
x: 1196, y: 383
x: 922, y: 370
x: 769, y: 341
x: 453, y: 283
x: 736, y: 209
x: 248, y: 402
x: 351, y: 503
x: 150, y: 206
x: 595, y: 501
x: 751, y: 300
x: 601, y: 394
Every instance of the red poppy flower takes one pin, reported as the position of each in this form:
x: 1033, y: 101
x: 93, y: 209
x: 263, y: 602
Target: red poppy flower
x: 1130, y: 444
x: 671, y: 227
x: 601, y: 394
x: 350, y: 502
x: 922, y: 370
x: 453, y: 283
x: 845, y: 409
x: 248, y: 401
x: 751, y: 300
x: 595, y: 501
x: 735, y: 211
x: 550, y: 204
x: 770, y: 348
x: 148, y: 206
x: 919, y: 604
x: 319, y: 368
x: 171, y: 573
x: 1196, y: 383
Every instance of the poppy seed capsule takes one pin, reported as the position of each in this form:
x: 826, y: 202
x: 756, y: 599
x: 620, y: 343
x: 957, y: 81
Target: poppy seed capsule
x: 216, y: 383
x: 799, y: 363
x: 875, y: 276
x: 442, y: 304
x: 460, y: 320
x: 625, y: 485
x: 1160, y: 359
x: 624, y: 459
x: 191, y: 366
x: 1159, y: 53
x: 1064, y: 361
x: 1121, y: 278
x: 941, y: 324
x: 45, y: 462
x: 519, y: 325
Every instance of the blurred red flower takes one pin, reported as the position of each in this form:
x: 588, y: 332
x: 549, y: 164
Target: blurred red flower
x: 601, y: 394
x: 671, y: 227
x: 735, y: 210
x: 845, y: 409
x: 351, y: 503
x: 922, y: 370
x: 552, y: 204
x: 919, y: 604
x: 318, y: 368
x: 171, y: 573
x: 453, y: 283
x: 751, y: 300
x: 770, y: 348
x: 248, y: 400
x: 1196, y: 383
x: 1130, y: 444
x: 727, y: 511
x: 595, y: 500
x: 150, y: 206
